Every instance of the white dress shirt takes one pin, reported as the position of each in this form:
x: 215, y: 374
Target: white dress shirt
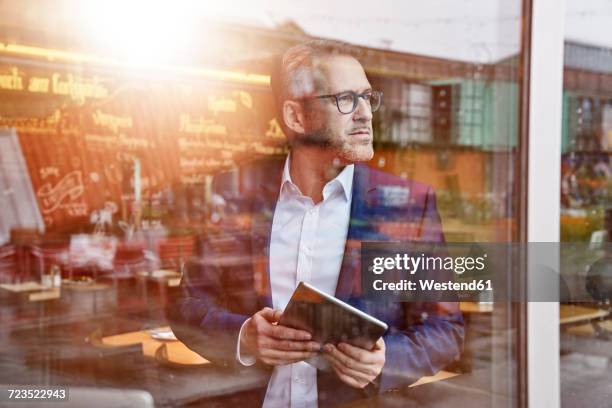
x: 307, y: 244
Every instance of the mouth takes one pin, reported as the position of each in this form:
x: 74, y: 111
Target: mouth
x: 361, y: 132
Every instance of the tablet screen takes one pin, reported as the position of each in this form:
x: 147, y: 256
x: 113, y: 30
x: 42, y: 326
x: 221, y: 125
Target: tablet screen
x: 330, y: 320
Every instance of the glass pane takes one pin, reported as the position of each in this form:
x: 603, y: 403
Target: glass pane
x: 144, y: 216
x: 586, y: 201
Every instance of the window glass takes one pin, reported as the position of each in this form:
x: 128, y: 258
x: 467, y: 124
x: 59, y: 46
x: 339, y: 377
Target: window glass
x: 146, y: 212
x: 586, y: 206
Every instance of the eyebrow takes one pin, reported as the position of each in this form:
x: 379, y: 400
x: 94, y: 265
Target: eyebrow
x: 350, y: 90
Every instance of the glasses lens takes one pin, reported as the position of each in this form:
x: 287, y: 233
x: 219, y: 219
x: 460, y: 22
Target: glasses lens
x: 346, y: 102
x: 375, y: 100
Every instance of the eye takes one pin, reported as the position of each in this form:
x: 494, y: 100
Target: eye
x: 345, y: 98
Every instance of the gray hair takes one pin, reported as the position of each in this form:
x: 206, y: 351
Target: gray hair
x: 295, y: 75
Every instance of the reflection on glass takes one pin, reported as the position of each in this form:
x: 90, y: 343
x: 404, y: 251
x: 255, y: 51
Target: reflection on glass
x: 586, y: 205
x: 122, y: 165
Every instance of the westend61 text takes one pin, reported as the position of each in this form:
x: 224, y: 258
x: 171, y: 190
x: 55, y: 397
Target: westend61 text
x: 430, y: 284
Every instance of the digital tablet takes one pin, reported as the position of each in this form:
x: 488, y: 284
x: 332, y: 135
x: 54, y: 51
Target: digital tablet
x: 330, y: 320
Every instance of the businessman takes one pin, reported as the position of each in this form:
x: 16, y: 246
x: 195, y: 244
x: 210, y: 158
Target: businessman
x: 307, y: 215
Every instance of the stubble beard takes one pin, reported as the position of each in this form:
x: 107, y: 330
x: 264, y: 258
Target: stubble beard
x: 345, y: 149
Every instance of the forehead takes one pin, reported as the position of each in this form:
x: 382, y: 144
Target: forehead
x: 341, y: 73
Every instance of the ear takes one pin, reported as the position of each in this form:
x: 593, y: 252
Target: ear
x: 293, y: 114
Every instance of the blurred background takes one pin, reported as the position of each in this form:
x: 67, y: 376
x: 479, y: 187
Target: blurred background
x: 116, y: 117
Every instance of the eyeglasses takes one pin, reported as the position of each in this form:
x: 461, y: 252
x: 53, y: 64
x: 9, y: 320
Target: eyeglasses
x: 347, y: 101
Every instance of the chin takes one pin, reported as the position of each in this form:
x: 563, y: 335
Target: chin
x: 355, y: 154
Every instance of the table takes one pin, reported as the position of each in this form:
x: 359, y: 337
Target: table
x: 476, y: 307
x: 439, y: 376
x: 170, y: 351
x: 99, y: 338
x: 572, y: 314
x: 472, y: 390
x: 49, y: 341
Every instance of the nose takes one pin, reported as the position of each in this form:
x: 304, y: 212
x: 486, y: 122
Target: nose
x: 363, y: 112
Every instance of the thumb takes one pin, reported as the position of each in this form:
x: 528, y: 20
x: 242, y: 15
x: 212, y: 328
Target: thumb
x: 270, y: 315
x: 277, y: 315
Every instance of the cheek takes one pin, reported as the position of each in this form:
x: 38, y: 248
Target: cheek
x: 341, y: 126
x: 316, y: 120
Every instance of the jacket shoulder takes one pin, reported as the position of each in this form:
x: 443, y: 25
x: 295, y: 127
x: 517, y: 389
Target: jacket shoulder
x: 380, y: 179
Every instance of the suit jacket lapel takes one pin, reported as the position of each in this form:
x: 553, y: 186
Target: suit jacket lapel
x: 360, y: 228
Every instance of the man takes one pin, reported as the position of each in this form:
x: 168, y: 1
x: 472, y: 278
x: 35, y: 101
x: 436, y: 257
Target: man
x: 308, y: 214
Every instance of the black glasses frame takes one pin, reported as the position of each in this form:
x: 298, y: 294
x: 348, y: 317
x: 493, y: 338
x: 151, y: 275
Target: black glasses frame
x: 366, y: 96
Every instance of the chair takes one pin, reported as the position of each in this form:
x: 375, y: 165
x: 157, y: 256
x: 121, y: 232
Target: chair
x: 8, y: 263
x: 51, y: 253
x: 108, y: 398
x: 22, y: 239
x: 129, y: 259
x: 175, y: 251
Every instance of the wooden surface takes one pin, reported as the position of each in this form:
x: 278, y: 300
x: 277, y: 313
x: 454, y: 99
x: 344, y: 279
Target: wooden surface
x: 172, y: 351
x: 21, y: 287
x: 126, y: 339
x: 569, y: 314
x: 439, y: 376
x: 160, y: 274
x: 100, y: 337
x: 59, y: 341
x: 476, y: 307
x: 176, y: 352
x: 588, y: 329
x: 51, y: 294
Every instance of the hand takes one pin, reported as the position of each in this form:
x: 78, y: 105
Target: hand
x: 355, y: 366
x: 275, y: 344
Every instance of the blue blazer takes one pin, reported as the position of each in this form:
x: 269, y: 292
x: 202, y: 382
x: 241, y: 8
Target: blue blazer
x: 229, y: 282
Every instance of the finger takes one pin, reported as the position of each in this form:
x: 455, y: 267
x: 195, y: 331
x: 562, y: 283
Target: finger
x: 287, y: 333
x: 269, y: 314
x: 359, y: 354
x: 345, y: 361
x: 275, y: 362
x: 291, y: 345
x: 357, y: 375
x: 286, y: 355
x: 347, y: 379
x: 280, y: 361
x: 277, y: 315
x: 275, y: 330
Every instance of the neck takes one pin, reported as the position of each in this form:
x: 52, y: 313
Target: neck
x: 311, y: 168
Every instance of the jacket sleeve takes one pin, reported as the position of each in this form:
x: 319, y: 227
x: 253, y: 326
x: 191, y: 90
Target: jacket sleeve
x: 433, y: 332
x: 201, y: 317
x: 423, y: 348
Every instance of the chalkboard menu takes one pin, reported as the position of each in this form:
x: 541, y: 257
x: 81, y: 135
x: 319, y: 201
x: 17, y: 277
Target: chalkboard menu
x: 81, y: 133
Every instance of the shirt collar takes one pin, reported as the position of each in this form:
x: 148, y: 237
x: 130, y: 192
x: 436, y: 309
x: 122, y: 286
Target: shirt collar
x: 345, y: 178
